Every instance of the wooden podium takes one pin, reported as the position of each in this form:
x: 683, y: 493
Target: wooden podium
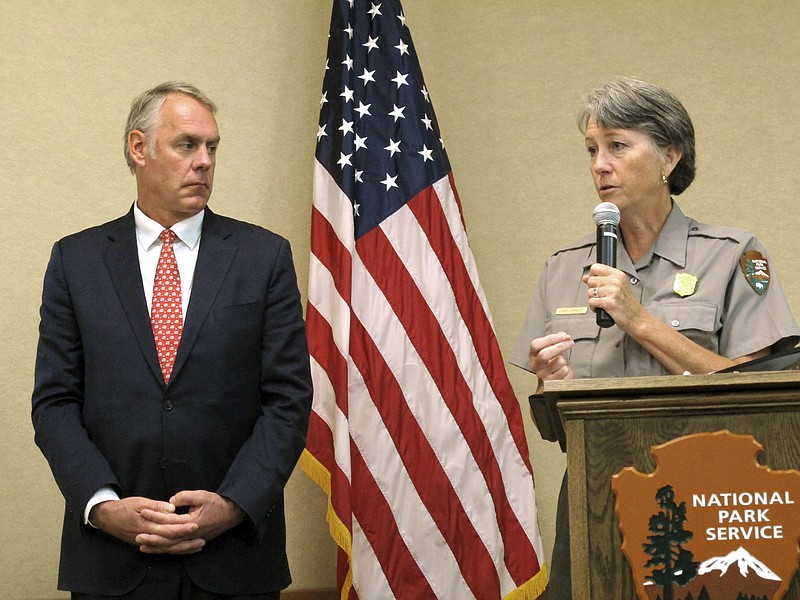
x: 609, y: 424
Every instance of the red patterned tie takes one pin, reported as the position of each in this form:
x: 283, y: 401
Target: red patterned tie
x: 166, y: 312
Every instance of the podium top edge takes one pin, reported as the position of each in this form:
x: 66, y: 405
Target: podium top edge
x: 671, y: 384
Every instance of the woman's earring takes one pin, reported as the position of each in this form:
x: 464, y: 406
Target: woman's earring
x: 664, y: 179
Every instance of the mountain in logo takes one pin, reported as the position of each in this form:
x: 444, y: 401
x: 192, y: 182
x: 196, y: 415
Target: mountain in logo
x: 744, y: 560
x: 738, y: 572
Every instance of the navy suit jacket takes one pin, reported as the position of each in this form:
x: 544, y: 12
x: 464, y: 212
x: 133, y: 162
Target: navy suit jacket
x: 232, y: 420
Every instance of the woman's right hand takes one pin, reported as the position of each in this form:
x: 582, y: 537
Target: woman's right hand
x: 548, y: 357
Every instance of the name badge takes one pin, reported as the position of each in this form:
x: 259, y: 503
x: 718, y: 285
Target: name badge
x: 572, y: 310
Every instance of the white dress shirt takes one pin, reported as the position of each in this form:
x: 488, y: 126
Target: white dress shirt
x: 148, y: 244
x: 186, y: 246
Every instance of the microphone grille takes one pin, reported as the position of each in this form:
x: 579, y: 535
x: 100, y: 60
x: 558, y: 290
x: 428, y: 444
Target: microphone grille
x: 606, y: 213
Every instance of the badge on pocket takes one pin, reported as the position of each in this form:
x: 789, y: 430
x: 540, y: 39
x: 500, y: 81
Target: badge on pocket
x: 684, y: 284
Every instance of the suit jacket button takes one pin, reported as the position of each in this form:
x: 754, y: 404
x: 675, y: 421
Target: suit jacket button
x: 168, y: 405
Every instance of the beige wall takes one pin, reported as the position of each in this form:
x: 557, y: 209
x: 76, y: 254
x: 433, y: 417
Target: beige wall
x: 506, y: 79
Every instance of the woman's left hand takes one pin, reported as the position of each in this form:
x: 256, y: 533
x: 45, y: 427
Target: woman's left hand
x: 610, y: 290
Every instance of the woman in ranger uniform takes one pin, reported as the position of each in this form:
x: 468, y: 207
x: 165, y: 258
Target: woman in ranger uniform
x: 685, y: 297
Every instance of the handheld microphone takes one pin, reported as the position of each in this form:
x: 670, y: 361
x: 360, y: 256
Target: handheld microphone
x: 606, y: 217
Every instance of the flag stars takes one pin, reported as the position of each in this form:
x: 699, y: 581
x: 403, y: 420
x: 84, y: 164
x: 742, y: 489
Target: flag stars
x: 344, y: 160
x: 359, y: 93
x: 363, y: 109
x: 400, y: 79
x: 393, y: 147
x: 347, y: 127
x: 367, y: 76
x: 389, y: 182
x: 397, y: 112
x: 371, y: 44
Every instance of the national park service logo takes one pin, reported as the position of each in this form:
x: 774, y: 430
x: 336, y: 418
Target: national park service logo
x: 709, y: 523
x: 756, y: 270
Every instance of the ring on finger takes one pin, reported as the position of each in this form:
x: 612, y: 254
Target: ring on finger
x: 596, y: 292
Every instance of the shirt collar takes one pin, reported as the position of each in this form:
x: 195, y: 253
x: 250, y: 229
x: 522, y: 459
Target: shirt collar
x: 671, y: 243
x: 148, y: 231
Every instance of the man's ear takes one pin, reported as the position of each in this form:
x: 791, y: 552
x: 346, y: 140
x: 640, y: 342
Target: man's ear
x: 137, y: 146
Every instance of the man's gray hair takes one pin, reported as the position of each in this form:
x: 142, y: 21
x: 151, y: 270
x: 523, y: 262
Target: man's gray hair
x: 145, y: 108
x: 627, y: 103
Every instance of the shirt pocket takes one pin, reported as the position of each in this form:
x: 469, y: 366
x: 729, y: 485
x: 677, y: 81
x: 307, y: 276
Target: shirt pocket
x: 695, y: 320
x: 585, y: 332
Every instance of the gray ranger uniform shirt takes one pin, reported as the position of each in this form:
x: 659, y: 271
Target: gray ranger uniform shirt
x: 735, y: 307
x: 713, y: 284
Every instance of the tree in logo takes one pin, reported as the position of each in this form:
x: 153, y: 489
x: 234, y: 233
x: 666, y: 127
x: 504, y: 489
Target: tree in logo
x: 672, y: 563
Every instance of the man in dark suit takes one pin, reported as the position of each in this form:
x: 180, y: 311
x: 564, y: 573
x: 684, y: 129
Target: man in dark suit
x: 172, y: 462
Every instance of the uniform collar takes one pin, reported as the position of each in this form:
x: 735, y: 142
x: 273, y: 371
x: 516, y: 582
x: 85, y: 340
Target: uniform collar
x: 671, y: 242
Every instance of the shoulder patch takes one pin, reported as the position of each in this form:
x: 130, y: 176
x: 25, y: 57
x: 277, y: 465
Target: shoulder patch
x: 756, y: 270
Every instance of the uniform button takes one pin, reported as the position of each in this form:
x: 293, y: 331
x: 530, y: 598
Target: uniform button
x: 618, y: 344
x: 634, y: 280
x: 168, y: 405
x: 675, y: 323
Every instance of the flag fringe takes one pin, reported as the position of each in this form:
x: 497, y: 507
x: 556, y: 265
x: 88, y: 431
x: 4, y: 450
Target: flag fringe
x: 533, y: 588
x: 320, y: 475
x: 339, y: 532
x: 344, y: 593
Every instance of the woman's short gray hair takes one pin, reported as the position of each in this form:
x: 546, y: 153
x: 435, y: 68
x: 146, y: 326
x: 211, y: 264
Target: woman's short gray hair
x: 633, y: 104
x: 143, y: 115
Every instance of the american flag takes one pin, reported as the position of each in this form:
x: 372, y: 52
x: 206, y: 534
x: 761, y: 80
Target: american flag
x: 415, y: 434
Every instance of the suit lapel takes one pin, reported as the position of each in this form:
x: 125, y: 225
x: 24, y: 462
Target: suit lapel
x: 122, y: 261
x: 217, y: 249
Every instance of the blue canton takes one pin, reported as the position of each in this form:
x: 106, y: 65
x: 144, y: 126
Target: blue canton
x: 378, y: 136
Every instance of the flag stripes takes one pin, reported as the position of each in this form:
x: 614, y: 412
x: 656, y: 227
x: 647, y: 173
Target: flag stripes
x: 423, y: 471
x: 415, y: 434
x: 423, y: 437
x: 469, y: 297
